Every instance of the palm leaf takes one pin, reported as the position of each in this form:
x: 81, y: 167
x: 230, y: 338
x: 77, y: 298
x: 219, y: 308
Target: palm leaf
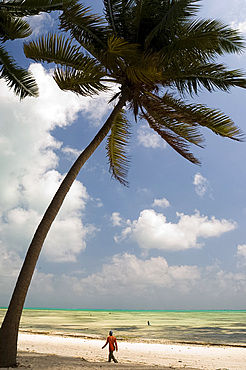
x: 201, y: 40
x: 85, y: 82
x: 13, y: 28
x: 119, y: 54
x: 138, y: 19
x: 210, y: 76
x: 172, y: 14
x: 21, y: 8
x: 127, y: 59
x: 81, y: 74
x: 17, y: 78
x: 142, y: 76
x: 116, y: 148
x: 214, y: 37
x: 173, y: 115
x: 86, y: 28
x: 117, y: 15
x: 183, y: 118
x: 58, y: 49
x: 122, y: 48
x: 121, y: 17
x: 112, y: 10
x: 179, y: 144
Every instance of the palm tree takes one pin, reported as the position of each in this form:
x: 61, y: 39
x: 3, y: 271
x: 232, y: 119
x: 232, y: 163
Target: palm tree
x: 157, y: 53
x: 12, y: 27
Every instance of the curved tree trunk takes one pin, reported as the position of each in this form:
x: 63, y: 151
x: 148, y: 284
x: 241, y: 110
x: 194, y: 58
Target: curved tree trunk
x: 10, y: 325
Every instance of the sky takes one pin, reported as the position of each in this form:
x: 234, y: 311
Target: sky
x: 174, y: 239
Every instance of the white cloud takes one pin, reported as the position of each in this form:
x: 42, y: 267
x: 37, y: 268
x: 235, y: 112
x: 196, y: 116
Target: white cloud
x: 99, y: 203
x: 133, y: 282
x: 67, y: 238
x: 129, y: 276
x: 152, y: 230
x: 29, y: 178
x: 116, y: 219
x: 241, y: 26
x: 241, y: 250
x: 40, y: 24
x: 202, y: 186
x: 163, y: 203
x: 231, y: 283
x: 10, y: 263
x: 99, y: 106
x: 149, y: 138
x: 127, y: 270
x: 143, y: 191
x: 241, y: 254
x: 71, y: 153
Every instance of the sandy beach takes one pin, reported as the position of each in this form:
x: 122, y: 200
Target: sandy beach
x: 38, y: 351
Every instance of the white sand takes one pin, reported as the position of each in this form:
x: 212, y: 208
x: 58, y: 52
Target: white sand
x: 43, y: 351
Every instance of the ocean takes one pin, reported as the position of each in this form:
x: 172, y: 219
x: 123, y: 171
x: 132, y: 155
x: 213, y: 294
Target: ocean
x: 213, y: 327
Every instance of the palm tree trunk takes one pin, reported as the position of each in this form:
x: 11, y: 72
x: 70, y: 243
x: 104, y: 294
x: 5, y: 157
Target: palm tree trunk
x: 10, y: 325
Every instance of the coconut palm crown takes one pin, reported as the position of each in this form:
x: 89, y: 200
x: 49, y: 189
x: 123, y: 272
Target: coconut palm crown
x: 12, y: 27
x: 157, y: 52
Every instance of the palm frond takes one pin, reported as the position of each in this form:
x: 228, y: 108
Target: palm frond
x: 12, y: 28
x: 21, y: 8
x: 142, y: 77
x: 17, y: 78
x: 127, y: 59
x: 138, y: 19
x: 119, y: 53
x: 112, y: 11
x: 108, y: 11
x: 174, y: 115
x: 172, y: 13
x: 85, y: 82
x: 209, y: 76
x: 184, y: 118
x: 120, y: 15
x: 183, y: 9
x: 214, y: 37
x: 58, y: 49
x: 88, y: 29
x: 81, y: 73
x: 122, y: 48
x: 202, y: 40
x: 116, y: 148
x: 180, y: 145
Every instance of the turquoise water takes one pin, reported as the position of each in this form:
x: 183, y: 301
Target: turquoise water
x: 215, y: 327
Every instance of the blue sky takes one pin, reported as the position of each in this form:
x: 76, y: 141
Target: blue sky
x: 175, y: 239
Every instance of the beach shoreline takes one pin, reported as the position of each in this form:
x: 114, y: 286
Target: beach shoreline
x: 130, y: 339
x: 46, y: 351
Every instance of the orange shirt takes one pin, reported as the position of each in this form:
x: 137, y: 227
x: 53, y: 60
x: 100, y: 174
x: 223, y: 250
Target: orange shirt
x: 111, y: 340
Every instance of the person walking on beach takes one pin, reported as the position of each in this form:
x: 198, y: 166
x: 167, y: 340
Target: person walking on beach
x: 112, y: 343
